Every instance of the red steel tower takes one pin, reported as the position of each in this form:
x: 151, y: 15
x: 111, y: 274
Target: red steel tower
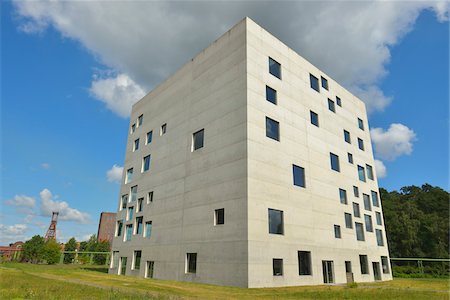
x: 51, y: 232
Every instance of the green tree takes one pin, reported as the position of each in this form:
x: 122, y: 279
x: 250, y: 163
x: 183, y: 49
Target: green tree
x: 102, y: 246
x: 33, y: 249
x: 52, y: 252
x: 71, y: 245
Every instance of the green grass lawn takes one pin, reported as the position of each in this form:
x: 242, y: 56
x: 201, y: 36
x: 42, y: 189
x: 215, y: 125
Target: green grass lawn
x: 26, y: 281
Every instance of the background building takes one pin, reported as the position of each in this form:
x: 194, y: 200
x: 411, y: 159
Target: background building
x: 250, y: 167
x: 106, y: 227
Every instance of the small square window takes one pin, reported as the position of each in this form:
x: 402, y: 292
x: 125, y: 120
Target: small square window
x: 136, y: 145
x: 274, y: 68
x: 350, y: 158
x: 356, y: 191
x: 277, y: 267
x: 276, y: 222
x: 191, y: 263
x: 314, y: 118
x: 360, y: 144
x: 334, y: 159
x: 150, y: 197
x: 366, y: 200
x: 343, y: 196
x: 129, y: 175
x: 146, y: 163
x: 271, y: 95
x: 148, y: 229
x: 348, y: 220
x: 360, y: 124
x: 378, y: 218
x: 197, y: 139
x: 163, y: 129
x: 380, y: 240
x: 368, y: 221
x: 338, y: 101
x: 139, y: 120
x: 356, y: 211
x: 331, y: 105
x: 347, y: 137
x: 375, y: 201
x: 219, y: 216
x: 361, y: 174
x: 369, y: 172
x: 314, y: 82
x: 137, y: 260
x: 272, y: 129
x: 337, y: 231
x: 324, y: 82
x: 149, y: 137
x: 359, y: 231
x: 364, y: 263
x: 304, y: 263
x: 299, y: 175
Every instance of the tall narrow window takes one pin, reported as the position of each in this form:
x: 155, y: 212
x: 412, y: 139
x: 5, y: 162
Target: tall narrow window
x: 356, y: 191
x: 136, y: 145
x: 369, y: 172
x: 375, y: 201
x: 128, y: 232
x: 338, y: 101
x: 146, y: 163
x: 191, y: 263
x: 119, y: 227
x: 219, y: 216
x: 137, y: 260
x: 337, y: 231
x: 348, y: 220
x: 360, y: 124
x: 163, y: 129
x: 368, y: 221
x: 350, y: 158
x: 314, y: 82
x: 334, y: 160
x: 133, y: 128
x: 347, y: 137
x: 359, y: 231
x: 150, y: 268
x: 149, y: 137
x: 276, y: 222
x: 364, y: 263
x: 139, y: 204
x: 139, y: 225
x: 299, y: 175
x: 271, y: 95
x: 314, y: 118
x: 148, y: 229
x: 361, y: 173
x: 124, y: 201
x: 331, y: 105
x: 129, y: 176
x: 133, y: 192
x: 356, y: 211
x: 360, y: 144
x: 304, y: 263
x: 324, y: 82
x: 378, y: 218
x: 380, y: 241
x: 385, y: 264
x: 274, y: 68
x: 367, y: 205
x: 277, y: 267
x: 150, y: 197
x: 197, y: 139
x: 139, y: 120
x: 272, y: 129
x: 130, y: 213
x: 343, y: 196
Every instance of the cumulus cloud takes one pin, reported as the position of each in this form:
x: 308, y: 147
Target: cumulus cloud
x: 66, y: 213
x: 114, y: 174
x: 394, y: 142
x: 144, y: 42
x: 22, y: 201
x: 12, y: 233
x: 380, y: 169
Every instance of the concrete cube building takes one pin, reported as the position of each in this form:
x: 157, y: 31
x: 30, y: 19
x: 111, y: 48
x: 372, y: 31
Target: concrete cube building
x: 250, y: 167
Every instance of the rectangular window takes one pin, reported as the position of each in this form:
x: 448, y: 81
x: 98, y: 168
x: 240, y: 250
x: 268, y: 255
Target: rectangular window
x: 334, y: 159
x: 124, y: 201
x: 343, y: 196
x: 272, y: 129
x: 378, y: 218
x: 369, y: 172
x: 350, y: 158
x: 219, y: 216
x: 163, y: 129
x: 314, y: 82
x: 360, y: 124
x: 115, y: 259
x: 338, y: 101
x: 356, y: 191
x: 133, y: 128
x: 360, y: 144
x: 277, y: 267
x: 375, y: 201
x: 149, y: 137
x: 299, y: 175
x: 364, y: 263
x: 359, y: 231
x: 271, y: 95
x: 137, y: 260
x: 130, y: 213
x: 385, y: 264
x: 380, y: 241
x: 331, y: 105
x: 367, y: 202
x: 139, y: 120
x: 304, y: 263
x: 314, y: 118
x: 348, y: 220
x: 197, y: 139
x: 128, y: 232
x: 146, y: 163
x: 274, y: 68
x: 148, y: 229
x: 150, y: 197
x: 324, y: 82
x: 337, y: 231
x: 139, y: 204
x: 347, y: 137
x: 191, y: 263
x: 119, y: 228
x: 356, y: 211
x: 150, y: 268
x: 133, y: 192
x: 368, y: 222
x: 139, y: 225
x: 361, y: 173
x: 276, y: 222
x: 129, y: 176
x: 136, y: 145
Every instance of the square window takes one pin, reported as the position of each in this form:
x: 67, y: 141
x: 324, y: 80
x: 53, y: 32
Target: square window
x: 331, y: 105
x: 338, y: 101
x: 348, y: 220
x: 368, y: 221
x: 369, y: 171
x: 360, y: 144
x: 361, y: 174
x: 314, y: 118
x: 146, y: 163
x: 350, y: 158
x: 139, y: 224
x: 119, y: 227
x: 277, y: 267
x: 334, y: 159
x: 129, y: 176
x: 197, y: 139
x: 274, y: 68
x: 385, y: 264
x: 347, y: 137
x: 133, y: 192
x: 149, y: 137
x: 356, y: 191
x: 324, y: 82
x: 139, y: 120
x: 378, y: 218
x: 337, y: 231
x: 359, y: 231
x: 139, y: 204
x: 271, y: 95
x: 272, y: 129
x: 150, y: 197
x: 191, y: 263
x: 137, y: 260
x: 299, y: 175
x: 367, y: 202
x: 364, y: 263
x: 304, y: 263
x: 148, y: 229
x: 380, y: 241
x: 343, y: 196
x: 375, y: 201
x: 163, y: 129
x: 314, y: 82
x: 219, y: 216
x: 360, y: 124
x: 276, y: 222
x: 356, y: 211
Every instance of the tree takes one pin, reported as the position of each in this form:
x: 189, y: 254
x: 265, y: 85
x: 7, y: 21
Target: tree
x: 102, y: 246
x: 52, y: 252
x: 33, y: 249
x: 71, y: 245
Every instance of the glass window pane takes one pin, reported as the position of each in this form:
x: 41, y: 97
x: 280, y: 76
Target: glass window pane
x: 368, y: 221
x: 198, y: 138
x: 356, y: 211
x: 359, y: 231
x: 274, y: 68
x: 348, y: 220
x: 343, y: 196
x: 276, y: 221
x: 299, y: 176
x: 272, y: 129
x: 361, y: 174
x: 271, y: 95
x: 334, y: 162
x: 314, y: 118
x: 324, y: 82
x: 331, y: 105
x: 347, y: 136
x: 314, y: 82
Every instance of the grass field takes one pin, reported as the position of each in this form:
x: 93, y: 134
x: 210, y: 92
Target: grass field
x: 26, y: 281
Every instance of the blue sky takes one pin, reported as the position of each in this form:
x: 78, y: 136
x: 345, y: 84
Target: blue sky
x: 67, y: 88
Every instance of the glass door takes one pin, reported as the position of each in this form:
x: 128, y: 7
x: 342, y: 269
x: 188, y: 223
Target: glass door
x: 328, y: 272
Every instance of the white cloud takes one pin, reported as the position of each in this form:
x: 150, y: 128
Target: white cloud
x: 22, y: 201
x: 380, y: 169
x: 396, y: 141
x: 114, y: 174
x: 66, y: 213
x: 12, y: 233
x: 45, y: 166
x: 144, y: 42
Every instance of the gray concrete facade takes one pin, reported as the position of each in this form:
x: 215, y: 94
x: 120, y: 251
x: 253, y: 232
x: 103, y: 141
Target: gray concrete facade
x: 222, y: 91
